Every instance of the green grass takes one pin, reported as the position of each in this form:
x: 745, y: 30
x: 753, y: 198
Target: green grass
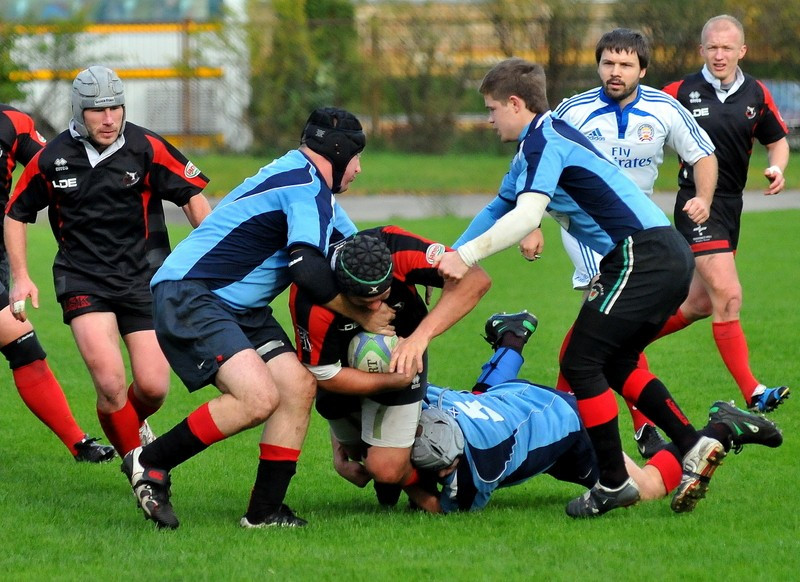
x: 384, y: 172
x: 64, y: 521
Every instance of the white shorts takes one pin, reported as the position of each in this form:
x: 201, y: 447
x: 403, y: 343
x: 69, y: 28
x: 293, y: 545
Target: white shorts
x: 586, y: 261
x: 379, y: 425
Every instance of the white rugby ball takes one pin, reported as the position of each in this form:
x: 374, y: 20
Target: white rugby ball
x: 371, y: 352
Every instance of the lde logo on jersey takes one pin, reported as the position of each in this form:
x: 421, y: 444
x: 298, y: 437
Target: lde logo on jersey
x: 434, y: 252
x: 645, y: 132
x: 750, y: 112
x: 191, y: 171
x: 65, y: 183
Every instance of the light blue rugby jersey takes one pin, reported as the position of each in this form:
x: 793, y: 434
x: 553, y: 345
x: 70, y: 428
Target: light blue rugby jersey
x: 589, y: 195
x: 240, y: 249
x: 512, y: 427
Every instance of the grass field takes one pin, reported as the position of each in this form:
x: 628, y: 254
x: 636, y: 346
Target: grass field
x: 64, y: 521
x: 391, y: 173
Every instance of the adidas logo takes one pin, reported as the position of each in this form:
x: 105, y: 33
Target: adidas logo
x: 595, y: 135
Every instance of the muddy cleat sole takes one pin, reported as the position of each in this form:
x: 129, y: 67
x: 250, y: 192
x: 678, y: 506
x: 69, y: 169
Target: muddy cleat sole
x: 151, y: 489
x: 522, y: 324
x: 284, y: 517
x: 768, y: 399
x: 746, y: 428
x: 599, y: 500
x: 699, y: 465
x: 648, y: 440
x: 90, y: 451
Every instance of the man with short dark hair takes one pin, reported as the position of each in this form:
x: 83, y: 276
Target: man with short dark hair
x: 214, y: 322
x: 631, y: 124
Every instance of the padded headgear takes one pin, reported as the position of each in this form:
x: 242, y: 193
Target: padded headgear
x: 363, y: 266
x: 439, y: 442
x: 336, y: 135
x: 94, y: 87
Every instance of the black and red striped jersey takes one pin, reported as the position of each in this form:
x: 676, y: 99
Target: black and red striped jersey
x: 747, y: 113
x: 106, y: 213
x: 322, y: 336
x: 19, y: 142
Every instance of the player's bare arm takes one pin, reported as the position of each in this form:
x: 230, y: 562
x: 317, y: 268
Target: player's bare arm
x: 196, y: 209
x: 358, y: 383
x: 698, y: 209
x: 457, y: 299
x: 377, y: 320
x: 509, y: 230
x: 778, y: 155
x: 16, y: 241
x: 347, y: 466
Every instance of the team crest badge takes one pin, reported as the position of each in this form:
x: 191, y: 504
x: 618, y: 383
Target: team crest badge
x: 304, y: 339
x: 596, y: 291
x: 191, y: 171
x: 645, y: 132
x: 750, y: 112
x: 130, y: 179
x: 434, y: 252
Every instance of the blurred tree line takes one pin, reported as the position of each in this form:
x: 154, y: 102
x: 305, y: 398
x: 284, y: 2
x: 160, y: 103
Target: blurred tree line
x: 411, y: 70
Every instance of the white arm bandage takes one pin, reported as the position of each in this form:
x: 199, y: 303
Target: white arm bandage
x: 508, y: 230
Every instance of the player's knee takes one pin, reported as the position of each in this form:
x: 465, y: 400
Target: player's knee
x: 302, y: 391
x: 153, y: 390
x: 732, y: 306
x: 385, y: 470
x: 24, y: 350
x: 259, y: 405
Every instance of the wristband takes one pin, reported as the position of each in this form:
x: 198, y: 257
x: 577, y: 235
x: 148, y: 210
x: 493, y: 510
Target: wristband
x: 774, y: 170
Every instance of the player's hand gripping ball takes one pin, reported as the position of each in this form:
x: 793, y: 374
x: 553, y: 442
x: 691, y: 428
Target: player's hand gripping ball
x: 371, y: 352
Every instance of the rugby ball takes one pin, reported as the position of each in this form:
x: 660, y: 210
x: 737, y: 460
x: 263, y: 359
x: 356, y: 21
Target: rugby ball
x: 371, y: 352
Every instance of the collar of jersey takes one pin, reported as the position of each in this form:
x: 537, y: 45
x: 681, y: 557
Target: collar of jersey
x: 534, y: 124
x: 714, y: 82
x: 615, y: 104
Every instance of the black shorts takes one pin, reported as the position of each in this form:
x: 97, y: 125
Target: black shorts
x: 131, y: 316
x: 644, y: 278
x: 3, y: 296
x: 720, y: 233
x: 198, y: 331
